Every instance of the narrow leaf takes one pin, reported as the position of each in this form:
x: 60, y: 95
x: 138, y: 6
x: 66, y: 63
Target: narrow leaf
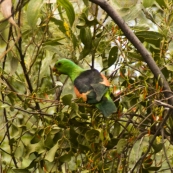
x: 33, y: 12
x: 14, y: 64
x: 53, y: 42
x: 59, y: 23
x: 121, y: 145
x: 148, y: 3
x: 150, y: 37
x: 154, y: 168
x: 86, y: 37
x: 21, y: 171
x: 113, y: 54
x: 69, y: 10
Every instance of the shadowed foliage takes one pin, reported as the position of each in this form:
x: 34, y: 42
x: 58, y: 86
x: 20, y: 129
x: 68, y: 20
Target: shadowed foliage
x: 44, y: 127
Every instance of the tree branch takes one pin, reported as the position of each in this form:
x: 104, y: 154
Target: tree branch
x: 138, y: 45
x: 150, y: 62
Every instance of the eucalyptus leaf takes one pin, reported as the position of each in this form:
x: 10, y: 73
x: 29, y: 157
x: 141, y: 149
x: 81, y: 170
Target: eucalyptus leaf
x: 14, y: 64
x: 154, y: 168
x: 86, y: 37
x: 147, y: 3
x: 50, y: 155
x: 67, y: 99
x: 169, y: 67
x: 14, y: 131
x: 92, y: 135
x: 66, y: 157
x: 113, y: 54
x: 53, y: 42
x: 21, y: 171
x: 37, y: 147
x: 59, y: 23
x: 69, y: 10
x: 162, y: 3
x: 150, y: 37
x: 33, y: 12
x: 121, y: 145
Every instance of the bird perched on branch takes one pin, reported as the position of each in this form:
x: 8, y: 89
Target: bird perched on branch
x: 90, y: 85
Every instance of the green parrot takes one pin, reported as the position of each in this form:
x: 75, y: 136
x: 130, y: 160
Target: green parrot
x: 90, y: 85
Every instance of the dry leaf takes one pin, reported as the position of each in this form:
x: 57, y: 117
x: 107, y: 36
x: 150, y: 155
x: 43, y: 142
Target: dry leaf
x: 6, y: 6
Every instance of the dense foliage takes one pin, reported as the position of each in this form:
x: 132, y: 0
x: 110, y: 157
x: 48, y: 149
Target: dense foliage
x: 44, y: 128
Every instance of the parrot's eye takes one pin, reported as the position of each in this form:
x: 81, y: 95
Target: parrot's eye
x: 59, y: 64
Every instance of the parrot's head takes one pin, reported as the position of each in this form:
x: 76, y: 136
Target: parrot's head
x: 67, y: 67
x: 63, y: 66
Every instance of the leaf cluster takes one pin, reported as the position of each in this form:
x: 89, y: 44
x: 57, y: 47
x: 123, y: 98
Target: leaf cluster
x: 44, y: 128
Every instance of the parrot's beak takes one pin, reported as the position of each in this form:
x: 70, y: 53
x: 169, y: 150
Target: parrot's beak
x: 55, y: 71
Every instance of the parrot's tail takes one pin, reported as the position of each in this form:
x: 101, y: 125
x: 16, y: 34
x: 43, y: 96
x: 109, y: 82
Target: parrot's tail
x: 106, y: 105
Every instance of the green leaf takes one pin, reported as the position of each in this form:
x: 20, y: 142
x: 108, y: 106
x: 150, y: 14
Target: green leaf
x: 49, y: 140
x: 150, y: 37
x: 67, y: 99
x: 33, y: 12
x: 69, y: 10
x: 3, y: 26
x: 66, y: 157
x: 86, y: 2
x: 147, y: 163
x: 37, y: 147
x: 81, y: 23
x: 50, y: 155
x: 84, y: 21
x: 116, y: 130
x: 53, y: 42
x: 121, y: 145
x: 112, y: 143
x: 74, y: 40
x: 86, y: 37
x: 85, y: 52
x: 148, y: 3
x: 55, y: 129
x: 125, y: 3
x: 154, y: 168
x: 64, y: 143
x: 14, y: 130
x: 82, y: 140
x: 169, y: 67
x: 113, y: 54
x: 157, y: 144
x: 92, y: 135
x: 135, y: 55
x: 75, y: 107
x: 102, y: 45
x: 11, y: 97
x: 59, y: 23
x: 21, y: 170
x: 26, y: 162
x: 161, y: 3
x: 14, y: 64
